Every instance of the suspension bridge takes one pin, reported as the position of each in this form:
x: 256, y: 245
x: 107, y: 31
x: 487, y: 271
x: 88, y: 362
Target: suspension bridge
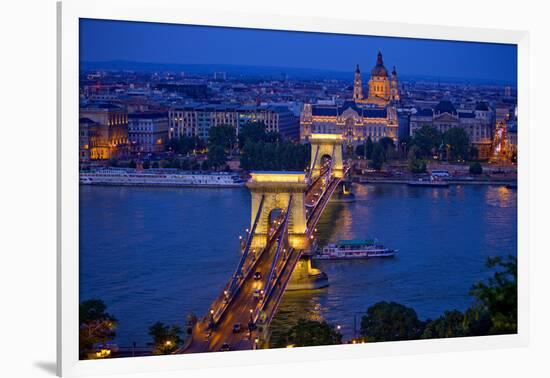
x: 239, y: 317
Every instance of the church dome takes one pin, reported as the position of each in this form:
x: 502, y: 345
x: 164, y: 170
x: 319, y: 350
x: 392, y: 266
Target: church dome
x: 379, y: 69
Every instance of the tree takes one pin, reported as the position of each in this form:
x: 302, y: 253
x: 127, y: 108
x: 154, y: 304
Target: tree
x: 417, y: 165
x: 476, y: 168
x: 360, y: 150
x: 223, y: 136
x: 405, y: 144
x: 390, y: 322
x: 377, y: 157
x: 499, y: 295
x: 216, y: 156
x: 253, y: 132
x: 309, y: 333
x: 458, y: 141
x: 96, y: 325
x: 284, y: 155
x: 369, y: 146
x: 473, y: 153
x: 388, y: 145
x: 166, y: 338
x: 450, y: 324
x: 427, y: 138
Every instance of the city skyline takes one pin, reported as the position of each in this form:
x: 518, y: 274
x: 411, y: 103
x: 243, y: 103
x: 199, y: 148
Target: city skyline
x: 153, y: 43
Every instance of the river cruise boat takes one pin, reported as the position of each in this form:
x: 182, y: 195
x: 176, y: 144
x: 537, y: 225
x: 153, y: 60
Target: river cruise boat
x: 159, y: 177
x: 431, y: 182
x: 354, y: 249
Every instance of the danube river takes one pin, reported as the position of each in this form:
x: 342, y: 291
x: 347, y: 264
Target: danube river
x: 158, y: 254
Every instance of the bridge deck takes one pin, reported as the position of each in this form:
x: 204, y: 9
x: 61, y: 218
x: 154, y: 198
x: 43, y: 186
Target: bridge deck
x: 237, y: 309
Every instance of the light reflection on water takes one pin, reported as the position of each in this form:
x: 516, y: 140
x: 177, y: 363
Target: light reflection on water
x: 443, y: 235
x: 158, y: 254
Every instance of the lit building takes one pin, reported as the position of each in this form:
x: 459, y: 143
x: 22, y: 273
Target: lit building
x: 444, y: 116
x: 356, y: 123
x: 196, y: 119
x: 147, y: 131
x: 108, y: 136
x: 382, y: 88
x: 85, y: 129
x: 374, y: 116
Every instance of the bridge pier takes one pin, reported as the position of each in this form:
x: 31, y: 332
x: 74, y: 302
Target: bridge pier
x: 276, y: 188
x: 306, y: 277
x: 344, y: 193
x: 326, y: 145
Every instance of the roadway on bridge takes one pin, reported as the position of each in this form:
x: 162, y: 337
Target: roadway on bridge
x: 243, y: 307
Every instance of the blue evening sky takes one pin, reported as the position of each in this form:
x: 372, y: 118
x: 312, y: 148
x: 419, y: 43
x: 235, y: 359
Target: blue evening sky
x: 102, y: 40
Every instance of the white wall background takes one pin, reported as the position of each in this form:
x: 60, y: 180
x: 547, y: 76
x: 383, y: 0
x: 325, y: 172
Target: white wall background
x: 27, y: 186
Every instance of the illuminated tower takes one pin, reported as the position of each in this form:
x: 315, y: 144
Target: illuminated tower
x: 357, y: 86
x: 379, y: 84
x: 394, y: 86
x: 500, y: 145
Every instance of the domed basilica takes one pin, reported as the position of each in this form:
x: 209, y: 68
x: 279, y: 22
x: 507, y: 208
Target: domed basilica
x: 361, y: 117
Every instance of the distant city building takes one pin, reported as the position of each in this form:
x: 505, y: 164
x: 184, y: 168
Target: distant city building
x: 383, y: 88
x: 444, y: 116
x: 196, y: 91
x: 507, y: 91
x: 86, y: 128
x: 360, y: 118
x: 108, y: 135
x: 501, y: 148
x: 220, y: 76
x: 147, y: 131
x: 197, y: 119
x: 512, y: 136
x: 356, y: 123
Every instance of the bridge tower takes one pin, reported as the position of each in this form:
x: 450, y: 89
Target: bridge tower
x: 326, y: 145
x: 276, y: 188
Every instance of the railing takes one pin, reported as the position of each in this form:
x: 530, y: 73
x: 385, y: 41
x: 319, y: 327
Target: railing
x: 280, y: 269
x: 269, y: 285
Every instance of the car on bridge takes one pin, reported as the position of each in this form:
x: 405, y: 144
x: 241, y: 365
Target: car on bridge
x: 225, y: 347
x: 257, y: 276
x: 237, y: 327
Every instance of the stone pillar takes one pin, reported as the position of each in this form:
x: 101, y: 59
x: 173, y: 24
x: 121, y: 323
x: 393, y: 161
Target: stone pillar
x: 328, y: 144
x: 306, y: 277
x: 277, y: 188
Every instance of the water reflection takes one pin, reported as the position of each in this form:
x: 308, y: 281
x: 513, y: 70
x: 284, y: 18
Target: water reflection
x: 159, y: 254
x: 444, y: 236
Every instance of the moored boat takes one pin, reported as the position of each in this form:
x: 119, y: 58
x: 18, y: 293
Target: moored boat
x: 159, y: 177
x: 431, y: 182
x: 354, y: 249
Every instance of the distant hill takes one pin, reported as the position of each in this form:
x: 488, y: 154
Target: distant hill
x: 266, y: 72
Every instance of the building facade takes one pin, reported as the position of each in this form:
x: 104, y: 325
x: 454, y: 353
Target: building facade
x: 356, y: 123
x: 195, y: 120
x: 147, y: 131
x: 86, y: 129
x: 374, y: 116
x: 382, y: 87
x: 108, y: 136
x: 478, y: 124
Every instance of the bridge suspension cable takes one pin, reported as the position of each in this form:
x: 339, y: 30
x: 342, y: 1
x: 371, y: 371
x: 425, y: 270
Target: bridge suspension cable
x: 232, y: 287
x: 312, y: 163
x: 269, y: 283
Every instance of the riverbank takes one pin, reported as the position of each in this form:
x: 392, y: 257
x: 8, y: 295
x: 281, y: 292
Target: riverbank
x: 451, y: 181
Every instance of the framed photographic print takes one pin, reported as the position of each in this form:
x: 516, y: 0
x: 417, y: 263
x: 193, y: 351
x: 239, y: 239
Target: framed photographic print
x: 290, y: 188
